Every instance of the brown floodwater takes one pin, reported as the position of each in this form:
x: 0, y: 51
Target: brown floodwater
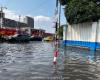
x: 33, y: 61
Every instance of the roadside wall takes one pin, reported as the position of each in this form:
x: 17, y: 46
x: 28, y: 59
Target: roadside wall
x: 83, y: 34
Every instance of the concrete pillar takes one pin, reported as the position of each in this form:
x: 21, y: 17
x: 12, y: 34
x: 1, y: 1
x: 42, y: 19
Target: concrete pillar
x: 65, y: 34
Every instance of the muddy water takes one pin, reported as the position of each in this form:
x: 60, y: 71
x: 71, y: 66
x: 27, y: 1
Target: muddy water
x: 33, y: 61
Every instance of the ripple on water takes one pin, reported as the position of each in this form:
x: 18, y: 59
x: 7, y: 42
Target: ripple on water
x: 33, y: 61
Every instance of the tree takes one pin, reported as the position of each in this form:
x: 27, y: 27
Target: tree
x: 60, y: 31
x: 78, y: 11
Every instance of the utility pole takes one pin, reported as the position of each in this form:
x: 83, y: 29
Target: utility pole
x: 59, y: 18
x: 19, y: 21
x: 58, y: 15
x: 1, y: 16
x: 18, y: 25
x: 56, y: 23
x: 56, y: 35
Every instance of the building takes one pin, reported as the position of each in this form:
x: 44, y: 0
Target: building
x: 37, y: 32
x: 13, y: 24
x: 2, y: 15
x: 29, y: 21
x: 5, y: 22
x: 11, y: 27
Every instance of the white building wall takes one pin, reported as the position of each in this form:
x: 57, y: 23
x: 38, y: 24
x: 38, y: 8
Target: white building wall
x: 79, y: 32
x: 98, y: 32
x: 94, y: 32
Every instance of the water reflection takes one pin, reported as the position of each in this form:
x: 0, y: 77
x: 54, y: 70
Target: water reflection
x: 33, y: 61
x: 81, y: 64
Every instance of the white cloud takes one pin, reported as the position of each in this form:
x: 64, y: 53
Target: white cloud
x: 12, y: 15
x: 41, y: 18
x: 44, y: 22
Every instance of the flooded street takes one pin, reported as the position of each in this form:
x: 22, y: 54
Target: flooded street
x: 33, y: 61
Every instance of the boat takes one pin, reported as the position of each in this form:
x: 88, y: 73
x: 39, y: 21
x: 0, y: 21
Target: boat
x: 2, y: 39
x: 49, y: 38
x: 34, y: 38
x: 21, y: 36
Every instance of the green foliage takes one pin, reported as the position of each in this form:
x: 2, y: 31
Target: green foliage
x: 78, y: 11
x: 60, y: 31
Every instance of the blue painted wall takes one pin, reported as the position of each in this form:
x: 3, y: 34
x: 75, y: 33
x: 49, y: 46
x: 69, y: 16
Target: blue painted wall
x: 91, y: 45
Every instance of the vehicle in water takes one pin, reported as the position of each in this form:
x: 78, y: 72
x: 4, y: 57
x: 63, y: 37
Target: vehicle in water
x: 35, y: 38
x: 21, y: 36
x: 48, y: 38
